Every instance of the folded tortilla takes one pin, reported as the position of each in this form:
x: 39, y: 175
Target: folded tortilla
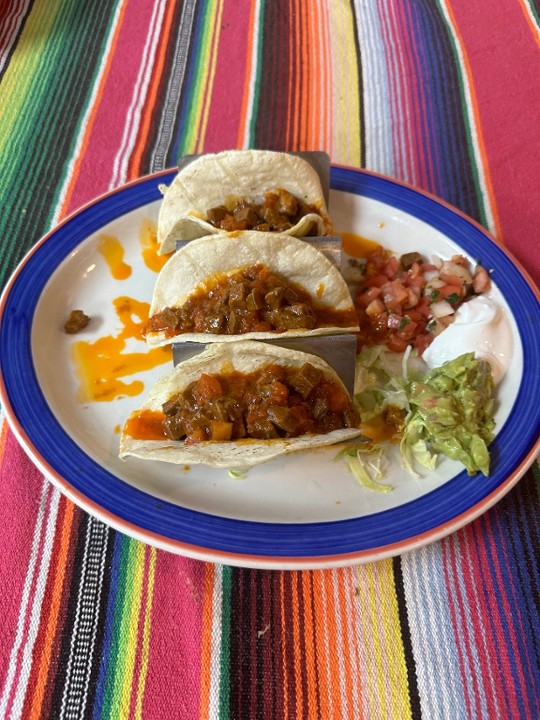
x: 294, y: 260
x: 244, y: 356
x: 214, y: 179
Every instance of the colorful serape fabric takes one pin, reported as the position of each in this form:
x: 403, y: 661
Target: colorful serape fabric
x: 443, y: 94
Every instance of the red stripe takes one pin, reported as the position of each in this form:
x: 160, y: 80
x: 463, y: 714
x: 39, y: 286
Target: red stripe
x: 96, y: 168
x: 21, y: 486
x: 233, y: 62
x: 508, y: 97
x: 174, y: 665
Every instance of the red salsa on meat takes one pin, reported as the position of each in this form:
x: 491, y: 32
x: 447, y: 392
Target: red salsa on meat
x: 272, y: 402
x: 252, y: 299
x: 279, y: 212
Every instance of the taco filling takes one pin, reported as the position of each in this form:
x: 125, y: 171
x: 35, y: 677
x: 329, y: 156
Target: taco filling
x: 252, y: 299
x: 271, y: 402
x: 239, y: 404
x: 242, y: 190
x: 279, y: 212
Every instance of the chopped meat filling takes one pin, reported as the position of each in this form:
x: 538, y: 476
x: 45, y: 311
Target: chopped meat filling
x: 252, y: 299
x: 77, y: 321
x: 272, y: 402
x: 279, y: 212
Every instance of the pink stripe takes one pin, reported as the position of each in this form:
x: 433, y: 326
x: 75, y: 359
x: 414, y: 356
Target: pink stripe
x: 498, y: 551
x: 508, y: 95
x: 228, y: 89
x: 406, y: 144
x: 174, y: 663
x: 106, y: 138
x: 469, y: 562
x: 21, y: 486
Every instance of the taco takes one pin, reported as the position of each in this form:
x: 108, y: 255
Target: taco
x: 241, y: 404
x: 242, y: 190
x: 222, y: 289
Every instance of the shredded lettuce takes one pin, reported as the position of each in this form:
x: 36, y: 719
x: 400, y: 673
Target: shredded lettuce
x: 238, y: 473
x: 448, y: 410
x: 366, y: 464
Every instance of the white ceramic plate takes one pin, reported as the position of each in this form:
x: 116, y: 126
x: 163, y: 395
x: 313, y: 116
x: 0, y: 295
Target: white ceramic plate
x: 299, y: 511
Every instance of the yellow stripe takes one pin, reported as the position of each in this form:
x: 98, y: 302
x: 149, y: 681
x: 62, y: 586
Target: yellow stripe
x: 199, y: 82
x: 145, y: 651
x: 386, y: 669
x: 207, y: 98
x: 22, y: 81
x: 120, y: 704
x: 346, y: 101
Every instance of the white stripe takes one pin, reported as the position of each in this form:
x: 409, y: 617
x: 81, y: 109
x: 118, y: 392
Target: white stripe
x: 18, y: 702
x: 215, y: 642
x: 472, y: 122
x: 139, y: 95
x: 350, y: 576
x: 376, y: 96
x: 526, y: 5
x: 83, y: 124
x: 254, y: 73
x: 174, y: 89
x: 432, y: 636
x: 470, y: 651
x: 81, y: 656
x: 14, y: 661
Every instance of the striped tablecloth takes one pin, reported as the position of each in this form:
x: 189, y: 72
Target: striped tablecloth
x: 443, y: 94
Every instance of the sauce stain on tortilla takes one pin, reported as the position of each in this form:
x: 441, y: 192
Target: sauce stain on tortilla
x: 149, y: 245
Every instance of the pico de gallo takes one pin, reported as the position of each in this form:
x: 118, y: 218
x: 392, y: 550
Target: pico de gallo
x: 407, y: 300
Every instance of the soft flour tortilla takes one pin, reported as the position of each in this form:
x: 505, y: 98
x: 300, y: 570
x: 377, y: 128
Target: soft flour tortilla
x: 244, y: 356
x: 294, y: 260
x: 212, y: 179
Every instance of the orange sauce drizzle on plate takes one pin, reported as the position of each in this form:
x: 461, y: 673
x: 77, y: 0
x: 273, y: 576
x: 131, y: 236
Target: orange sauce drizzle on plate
x: 357, y: 246
x: 102, y: 364
x: 113, y: 253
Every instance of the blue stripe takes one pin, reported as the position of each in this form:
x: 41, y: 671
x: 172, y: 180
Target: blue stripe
x: 109, y: 627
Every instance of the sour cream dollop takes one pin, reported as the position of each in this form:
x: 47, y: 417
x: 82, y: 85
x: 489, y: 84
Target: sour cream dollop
x: 480, y: 326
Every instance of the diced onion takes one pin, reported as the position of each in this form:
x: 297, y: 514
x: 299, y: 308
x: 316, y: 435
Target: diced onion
x: 441, y: 308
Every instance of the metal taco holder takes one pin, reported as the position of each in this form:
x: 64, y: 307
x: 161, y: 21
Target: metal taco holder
x: 339, y: 350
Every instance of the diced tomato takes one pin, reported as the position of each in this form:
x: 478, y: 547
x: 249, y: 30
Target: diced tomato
x: 394, y: 294
x: 364, y: 298
x: 395, y: 306
x: 481, y: 280
x: 207, y: 386
x: 220, y: 431
x: 391, y: 268
x: 196, y: 436
x: 397, y: 344
x: 375, y: 280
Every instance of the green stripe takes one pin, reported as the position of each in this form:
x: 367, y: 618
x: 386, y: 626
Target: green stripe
x: 258, y: 72
x: 197, y: 85
x: 225, y: 654
x: 483, y: 216
x: 57, y: 89
x: 117, y: 651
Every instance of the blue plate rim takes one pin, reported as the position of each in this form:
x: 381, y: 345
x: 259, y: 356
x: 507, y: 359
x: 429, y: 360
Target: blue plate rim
x: 245, y: 542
